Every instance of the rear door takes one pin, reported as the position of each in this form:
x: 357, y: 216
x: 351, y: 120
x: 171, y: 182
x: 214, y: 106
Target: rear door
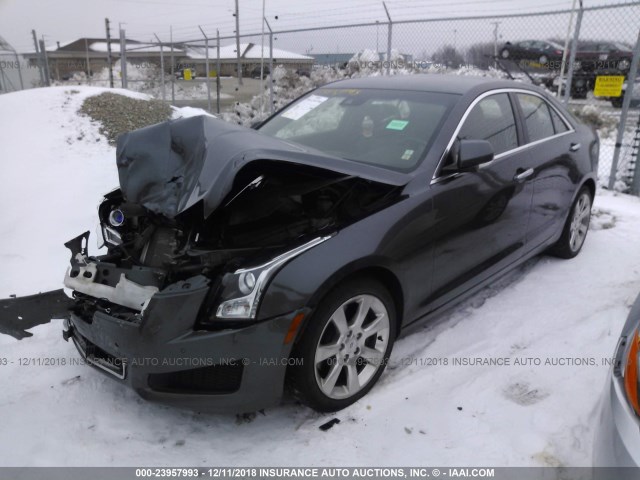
x: 553, y: 147
x: 481, y: 216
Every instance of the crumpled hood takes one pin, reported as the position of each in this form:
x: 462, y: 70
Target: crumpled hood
x: 170, y: 166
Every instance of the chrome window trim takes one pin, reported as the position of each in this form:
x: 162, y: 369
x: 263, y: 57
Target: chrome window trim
x: 435, y: 178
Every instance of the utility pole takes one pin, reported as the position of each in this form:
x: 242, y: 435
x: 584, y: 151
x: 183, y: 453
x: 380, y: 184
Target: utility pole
x: 106, y: 24
x: 43, y: 52
x: 495, y: 43
x: 237, y: 15
x: 164, y: 95
x: 173, y: 76
x: 123, y: 58
x: 35, y: 42
x: 388, y: 39
x: 206, y: 67
x: 217, y: 71
x: 86, y: 51
x: 271, y: 104
x: 262, y: 63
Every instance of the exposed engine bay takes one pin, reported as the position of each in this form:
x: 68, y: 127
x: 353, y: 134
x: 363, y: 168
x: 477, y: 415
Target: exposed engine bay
x: 272, y: 207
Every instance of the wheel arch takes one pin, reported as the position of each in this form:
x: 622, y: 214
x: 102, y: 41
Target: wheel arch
x: 380, y: 273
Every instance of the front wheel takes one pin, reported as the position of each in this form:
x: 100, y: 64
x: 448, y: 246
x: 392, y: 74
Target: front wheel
x: 576, y: 227
x: 345, y: 347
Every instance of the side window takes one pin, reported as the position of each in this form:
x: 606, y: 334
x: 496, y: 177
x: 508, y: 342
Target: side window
x: 537, y: 118
x: 492, y: 120
x: 558, y: 124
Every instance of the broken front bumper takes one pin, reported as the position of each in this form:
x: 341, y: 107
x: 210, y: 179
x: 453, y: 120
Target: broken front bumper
x: 164, y: 359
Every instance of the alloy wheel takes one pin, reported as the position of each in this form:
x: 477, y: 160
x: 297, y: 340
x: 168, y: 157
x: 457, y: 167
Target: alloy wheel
x: 580, y: 222
x: 352, y: 346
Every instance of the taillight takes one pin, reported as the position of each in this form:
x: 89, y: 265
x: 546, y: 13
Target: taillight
x: 631, y: 373
x: 558, y: 52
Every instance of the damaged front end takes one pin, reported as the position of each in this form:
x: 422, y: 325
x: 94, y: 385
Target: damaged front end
x: 185, y: 268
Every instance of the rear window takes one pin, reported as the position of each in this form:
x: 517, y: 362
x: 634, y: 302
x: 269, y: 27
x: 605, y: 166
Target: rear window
x: 537, y: 117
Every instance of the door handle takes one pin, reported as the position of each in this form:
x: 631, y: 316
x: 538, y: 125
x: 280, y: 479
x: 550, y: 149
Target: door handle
x: 522, y: 176
x: 574, y: 147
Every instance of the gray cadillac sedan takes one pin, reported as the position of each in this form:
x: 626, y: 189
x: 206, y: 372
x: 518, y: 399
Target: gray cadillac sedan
x: 242, y: 261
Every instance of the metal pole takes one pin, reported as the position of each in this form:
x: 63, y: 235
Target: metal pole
x: 206, y: 67
x: 572, y: 58
x: 2, y: 76
x: 43, y: 52
x: 173, y: 76
x: 40, y: 69
x: 106, y: 23
x: 635, y: 183
x: 164, y: 95
x: 217, y: 71
x: 272, y: 106
x: 237, y: 15
x: 262, y: 63
x: 566, y: 46
x: 123, y: 58
x: 389, y: 29
x: 86, y: 51
x: 626, y: 102
x: 495, y: 43
x: 19, y: 69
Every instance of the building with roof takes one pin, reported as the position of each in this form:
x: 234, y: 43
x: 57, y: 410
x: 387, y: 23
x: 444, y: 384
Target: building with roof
x: 250, y: 56
x: 90, y: 55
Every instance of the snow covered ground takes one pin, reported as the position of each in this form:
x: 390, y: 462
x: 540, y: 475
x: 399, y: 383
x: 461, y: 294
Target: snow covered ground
x: 55, y: 169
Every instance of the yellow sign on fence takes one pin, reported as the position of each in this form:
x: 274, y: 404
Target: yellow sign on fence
x: 187, y: 74
x: 608, y: 86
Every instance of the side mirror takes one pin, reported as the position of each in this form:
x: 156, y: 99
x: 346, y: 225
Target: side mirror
x: 472, y: 153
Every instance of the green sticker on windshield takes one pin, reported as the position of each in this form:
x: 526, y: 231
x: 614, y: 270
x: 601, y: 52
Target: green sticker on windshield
x: 397, y: 124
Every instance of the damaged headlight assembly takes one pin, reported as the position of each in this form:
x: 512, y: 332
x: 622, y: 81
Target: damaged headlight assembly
x: 243, y: 288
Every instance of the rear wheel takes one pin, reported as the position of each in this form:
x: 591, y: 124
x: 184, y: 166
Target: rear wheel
x: 543, y: 60
x: 505, y: 53
x: 346, y: 346
x: 576, y: 227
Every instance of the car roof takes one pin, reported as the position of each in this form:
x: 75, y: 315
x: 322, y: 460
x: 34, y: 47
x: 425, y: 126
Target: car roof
x: 437, y: 83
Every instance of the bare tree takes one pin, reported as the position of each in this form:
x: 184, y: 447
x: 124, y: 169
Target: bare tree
x: 447, y: 55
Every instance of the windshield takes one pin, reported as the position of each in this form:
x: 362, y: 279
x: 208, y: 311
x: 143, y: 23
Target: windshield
x: 388, y: 128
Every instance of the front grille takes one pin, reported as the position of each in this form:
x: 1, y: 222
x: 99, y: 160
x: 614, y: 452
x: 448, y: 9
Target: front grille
x: 97, y: 357
x: 215, y: 379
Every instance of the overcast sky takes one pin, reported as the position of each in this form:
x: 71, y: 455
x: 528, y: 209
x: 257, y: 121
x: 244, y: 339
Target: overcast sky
x: 66, y: 20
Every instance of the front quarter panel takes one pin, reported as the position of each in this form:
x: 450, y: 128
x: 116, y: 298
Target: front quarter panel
x: 394, y: 239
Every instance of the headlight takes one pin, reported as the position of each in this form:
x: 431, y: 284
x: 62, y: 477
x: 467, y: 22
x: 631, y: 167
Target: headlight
x: 631, y: 373
x: 242, y: 290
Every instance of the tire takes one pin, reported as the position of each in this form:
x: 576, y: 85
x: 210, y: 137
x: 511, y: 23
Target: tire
x: 505, y: 53
x: 332, y: 353
x: 576, y: 227
x: 543, y: 60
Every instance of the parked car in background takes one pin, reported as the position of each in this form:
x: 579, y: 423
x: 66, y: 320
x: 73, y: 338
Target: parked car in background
x: 617, y: 438
x: 581, y: 84
x: 255, y: 72
x: 544, y: 53
x: 603, y: 56
x: 241, y: 261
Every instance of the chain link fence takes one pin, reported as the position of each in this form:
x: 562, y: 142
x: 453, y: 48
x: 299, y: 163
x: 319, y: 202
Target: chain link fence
x: 563, y: 51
